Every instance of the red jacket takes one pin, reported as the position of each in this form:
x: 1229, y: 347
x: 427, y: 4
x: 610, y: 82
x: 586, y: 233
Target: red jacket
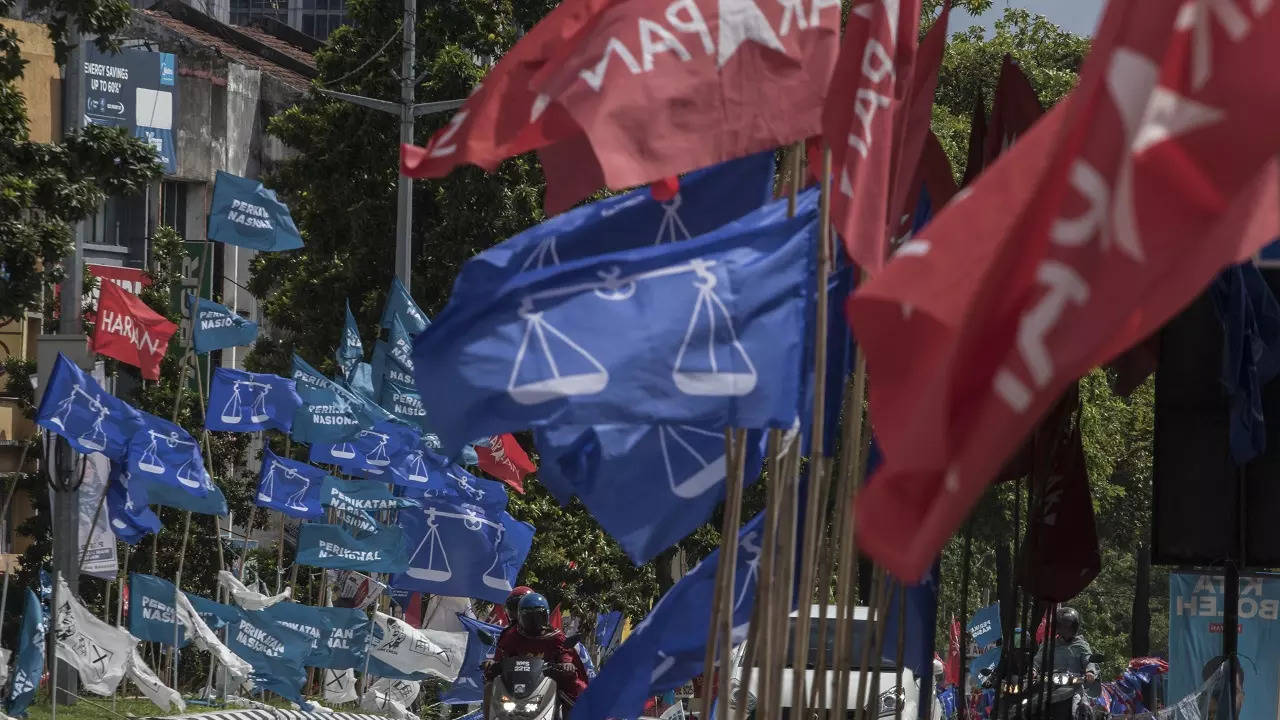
x: 552, y: 647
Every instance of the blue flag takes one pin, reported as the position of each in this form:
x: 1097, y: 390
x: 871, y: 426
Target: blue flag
x: 350, y: 350
x: 275, y: 651
x: 482, y: 640
x: 360, y: 380
x: 1250, y: 319
x: 373, y: 452
x: 436, y: 479
x: 400, y: 306
x: 330, y: 413
x: 151, y: 613
x: 709, y: 332
x: 404, y: 402
x: 708, y: 198
x: 131, y: 519
x: 345, y: 640
x: 289, y: 486
x: 242, y: 401
x: 378, y: 365
x: 585, y: 657
x: 462, y: 550
x: 213, y: 503
x: 608, y: 630
x: 214, y: 614
x: 162, y: 453
x: 329, y: 546
x: 30, y: 662
x: 307, y: 620
x: 88, y: 417
x: 218, y: 326
x: 649, y: 486
x: 921, y: 606
x: 245, y: 213
x: 666, y: 649
x: 361, y: 495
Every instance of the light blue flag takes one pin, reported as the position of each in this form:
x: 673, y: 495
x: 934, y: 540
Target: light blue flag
x: 242, y: 401
x: 245, y: 213
x: 400, y: 305
x: 404, y: 402
x: 707, y: 199
x: 88, y: 417
x: 162, y: 453
x: 709, y: 332
x: 648, y: 486
x: 214, y: 503
x: 291, y: 487
x: 310, y: 622
x: 482, y: 640
x: 350, y: 350
x: 275, y: 651
x: 374, y: 452
x: 585, y: 657
x: 360, y: 380
x: 30, y: 662
x: 330, y: 546
x: 218, y: 326
x: 346, y: 638
x: 151, y: 614
x: 666, y: 649
x: 462, y: 550
x: 362, y: 495
x: 378, y: 365
x: 330, y: 413
x: 214, y: 614
x: 127, y: 511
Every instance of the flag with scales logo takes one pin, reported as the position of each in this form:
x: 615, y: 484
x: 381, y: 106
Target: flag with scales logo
x: 289, y: 487
x: 76, y: 407
x: 242, y: 401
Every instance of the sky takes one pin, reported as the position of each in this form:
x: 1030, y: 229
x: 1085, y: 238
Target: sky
x: 1077, y: 16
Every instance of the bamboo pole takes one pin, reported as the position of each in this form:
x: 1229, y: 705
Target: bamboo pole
x: 735, y: 453
x: 758, y: 641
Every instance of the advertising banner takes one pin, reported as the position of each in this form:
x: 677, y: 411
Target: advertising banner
x: 135, y: 90
x: 1195, y: 638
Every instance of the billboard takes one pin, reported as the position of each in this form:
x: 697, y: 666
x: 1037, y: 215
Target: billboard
x: 135, y: 90
x: 1195, y: 638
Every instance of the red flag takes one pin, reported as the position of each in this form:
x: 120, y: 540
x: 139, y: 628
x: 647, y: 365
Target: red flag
x: 974, y: 164
x: 869, y: 98
x: 557, y: 619
x: 1015, y: 110
x: 951, y: 674
x: 129, y: 331
x: 503, y: 458
x: 413, y: 613
x: 1097, y: 226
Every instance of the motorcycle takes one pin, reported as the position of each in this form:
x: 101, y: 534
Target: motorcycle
x: 523, y: 691
x: 1057, y: 695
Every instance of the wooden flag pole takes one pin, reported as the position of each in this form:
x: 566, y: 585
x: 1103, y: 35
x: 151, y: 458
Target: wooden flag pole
x: 735, y: 454
x: 848, y: 482
x: 760, y: 641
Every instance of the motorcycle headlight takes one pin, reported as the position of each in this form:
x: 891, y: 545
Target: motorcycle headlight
x: 508, y: 706
x: 890, y: 701
x: 530, y: 707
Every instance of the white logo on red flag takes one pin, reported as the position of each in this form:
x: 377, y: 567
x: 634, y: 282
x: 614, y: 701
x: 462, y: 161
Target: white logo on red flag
x: 503, y: 458
x: 1111, y: 214
x: 129, y: 331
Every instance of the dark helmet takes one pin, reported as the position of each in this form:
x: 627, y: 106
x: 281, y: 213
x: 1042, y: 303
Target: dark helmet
x: 1068, y: 621
x: 534, y: 615
x: 513, y: 602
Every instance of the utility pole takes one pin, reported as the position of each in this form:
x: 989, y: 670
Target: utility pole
x: 408, y: 111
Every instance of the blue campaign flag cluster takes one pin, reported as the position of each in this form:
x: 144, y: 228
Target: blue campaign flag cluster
x: 290, y: 487
x: 242, y: 401
x: 434, y: 478
x: 330, y: 413
x: 372, y: 452
x: 400, y: 306
x: 666, y: 649
x: 245, y: 213
x: 482, y: 641
x: 678, y: 333
x: 331, y: 546
x: 88, y: 417
x: 356, y: 495
x: 218, y: 326
x: 152, y: 617
x: 461, y: 549
x: 29, y: 666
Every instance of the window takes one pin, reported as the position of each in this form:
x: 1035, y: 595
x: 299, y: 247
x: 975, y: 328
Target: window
x: 173, y: 206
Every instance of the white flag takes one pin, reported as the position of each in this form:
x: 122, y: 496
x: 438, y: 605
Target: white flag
x: 99, y: 652
x: 340, y: 686
x: 246, y: 598
x: 204, y: 638
x: 443, y: 628
x: 385, y: 703
x: 4, y: 666
x: 402, y: 691
x: 162, y: 695
x: 410, y: 650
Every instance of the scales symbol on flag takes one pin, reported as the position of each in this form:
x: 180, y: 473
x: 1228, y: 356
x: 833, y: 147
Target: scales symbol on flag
x: 708, y: 321
x: 417, y: 467
x: 233, y: 411
x: 150, y: 462
x: 438, y: 568
x: 683, y: 437
x: 268, y: 490
x: 476, y: 493
x: 670, y: 229
x: 375, y: 458
x: 94, y: 438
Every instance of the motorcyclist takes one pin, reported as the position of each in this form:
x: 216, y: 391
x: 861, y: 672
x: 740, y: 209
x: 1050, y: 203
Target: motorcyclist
x: 1072, y: 654
x: 512, y: 606
x: 534, y: 636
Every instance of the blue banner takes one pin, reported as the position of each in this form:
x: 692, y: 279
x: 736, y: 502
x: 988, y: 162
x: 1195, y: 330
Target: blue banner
x: 707, y: 199
x: 984, y: 628
x: 242, y: 401
x: 372, y: 452
x: 1196, y: 605
x: 400, y: 306
x: 291, y: 487
x: 276, y: 652
x: 131, y: 519
x: 461, y: 550
x: 29, y: 665
x: 88, y: 417
x: 215, y: 614
x: 482, y: 640
x: 649, y: 486
x: 218, y: 327
x: 350, y: 350
x: 162, y: 453
x: 667, y: 648
x: 680, y: 333
x: 134, y: 90
x: 330, y: 546
x: 330, y: 413
x: 151, y: 613
x: 245, y: 213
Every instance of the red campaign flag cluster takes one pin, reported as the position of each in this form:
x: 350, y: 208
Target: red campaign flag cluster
x: 502, y: 457
x: 951, y: 672
x: 625, y: 93
x: 129, y: 331
x: 1105, y: 219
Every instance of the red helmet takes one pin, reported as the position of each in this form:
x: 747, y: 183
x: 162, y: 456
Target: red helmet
x: 513, y: 602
